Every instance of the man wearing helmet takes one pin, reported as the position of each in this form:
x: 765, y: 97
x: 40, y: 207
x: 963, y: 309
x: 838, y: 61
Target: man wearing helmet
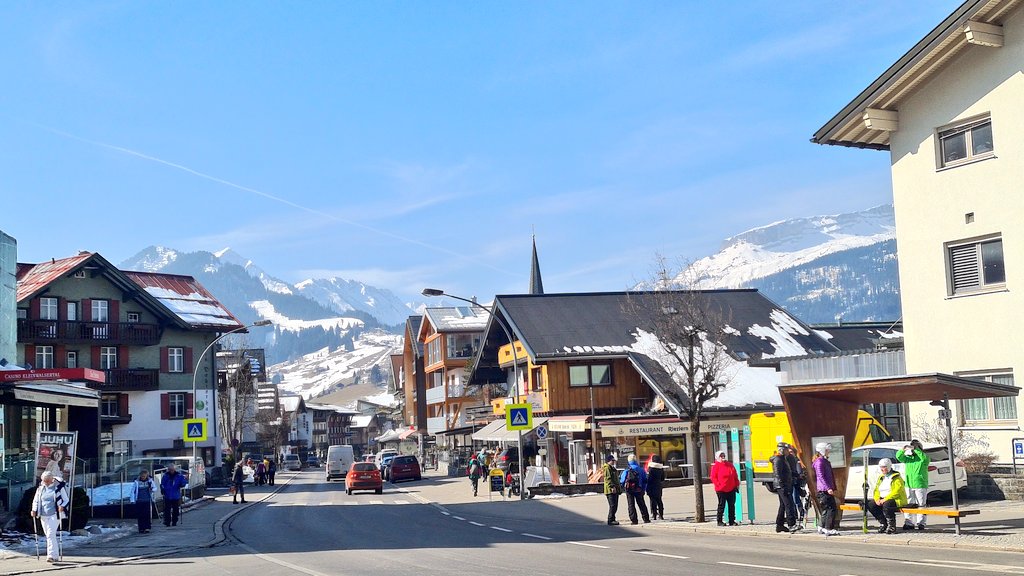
x: 825, y: 484
x: 889, y: 496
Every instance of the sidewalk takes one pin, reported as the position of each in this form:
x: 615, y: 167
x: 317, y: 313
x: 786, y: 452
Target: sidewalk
x: 201, y: 526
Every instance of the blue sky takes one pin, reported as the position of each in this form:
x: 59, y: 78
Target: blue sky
x: 415, y: 144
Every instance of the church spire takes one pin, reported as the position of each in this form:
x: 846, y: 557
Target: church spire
x: 536, y: 283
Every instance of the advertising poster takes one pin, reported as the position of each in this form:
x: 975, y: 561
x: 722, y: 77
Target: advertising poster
x: 55, y: 451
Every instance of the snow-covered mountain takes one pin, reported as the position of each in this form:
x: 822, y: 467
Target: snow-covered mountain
x: 821, y: 268
x: 343, y: 296
x: 364, y: 370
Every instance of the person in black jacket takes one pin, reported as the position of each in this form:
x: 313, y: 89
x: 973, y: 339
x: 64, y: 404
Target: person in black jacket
x: 655, y: 478
x: 238, y: 482
x: 782, y: 472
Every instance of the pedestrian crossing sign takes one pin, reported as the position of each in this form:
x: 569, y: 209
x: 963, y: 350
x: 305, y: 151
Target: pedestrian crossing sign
x: 195, y: 430
x: 519, y: 417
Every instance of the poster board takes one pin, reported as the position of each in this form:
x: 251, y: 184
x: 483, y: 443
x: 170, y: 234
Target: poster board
x: 55, y: 452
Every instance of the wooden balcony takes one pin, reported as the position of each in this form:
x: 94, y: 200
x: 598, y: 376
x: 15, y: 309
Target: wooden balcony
x: 129, y: 380
x: 74, y: 332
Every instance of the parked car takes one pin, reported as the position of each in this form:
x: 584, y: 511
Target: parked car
x: 385, y: 463
x: 292, y: 462
x: 940, y: 469
x: 509, y: 458
x: 312, y: 462
x: 379, y: 458
x: 363, y: 476
x: 339, y: 461
x: 404, y: 468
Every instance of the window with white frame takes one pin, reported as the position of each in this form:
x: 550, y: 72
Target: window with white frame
x: 48, y: 308
x: 175, y: 359
x: 176, y: 405
x: 590, y: 375
x: 978, y: 411
x: 132, y: 317
x: 71, y: 361
x: 108, y: 357
x: 965, y: 142
x: 109, y: 405
x: 100, y: 311
x: 976, y: 265
x: 44, y: 357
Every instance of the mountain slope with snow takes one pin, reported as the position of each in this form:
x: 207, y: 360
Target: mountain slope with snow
x: 343, y: 295
x: 328, y: 371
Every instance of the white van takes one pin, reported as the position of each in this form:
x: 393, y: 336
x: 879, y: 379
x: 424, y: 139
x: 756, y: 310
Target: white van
x: 339, y: 460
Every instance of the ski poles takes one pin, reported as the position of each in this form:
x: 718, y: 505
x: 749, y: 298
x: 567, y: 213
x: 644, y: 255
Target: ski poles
x: 35, y: 530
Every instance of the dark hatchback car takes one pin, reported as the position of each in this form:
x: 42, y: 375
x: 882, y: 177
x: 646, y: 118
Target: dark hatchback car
x: 404, y: 468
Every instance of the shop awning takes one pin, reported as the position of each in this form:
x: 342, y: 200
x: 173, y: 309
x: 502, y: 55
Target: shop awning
x: 490, y: 433
x: 389, y: 436
x: 58, y: 393
x: 569, y: 423
x: 407, y: 433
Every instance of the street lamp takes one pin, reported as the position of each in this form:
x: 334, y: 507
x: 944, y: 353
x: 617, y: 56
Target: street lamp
x: 515, y: 368
x: 195, y: 373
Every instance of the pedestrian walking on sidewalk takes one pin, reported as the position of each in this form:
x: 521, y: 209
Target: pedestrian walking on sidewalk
x: 915, y: 470
x: 655, y: 478
x: 825, y: 484
x: 782, y: 476
x: 799, y: 482
x: 143, y: 490
x: 49, y: 505
x: 727, y: 483
x: 238, y: 482
x: 474, y: 470
x: 170, y: 486
x: 271, y: 471
x: 612, y: 488
x: 889, y: 496
x: 261, y: 473
x: 634, y: 484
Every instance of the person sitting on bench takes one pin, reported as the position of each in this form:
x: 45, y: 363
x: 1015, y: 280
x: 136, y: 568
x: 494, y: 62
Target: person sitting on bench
x: 889, y: 497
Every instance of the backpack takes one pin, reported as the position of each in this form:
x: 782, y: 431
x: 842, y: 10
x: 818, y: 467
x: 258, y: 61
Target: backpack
x: 632, y: 483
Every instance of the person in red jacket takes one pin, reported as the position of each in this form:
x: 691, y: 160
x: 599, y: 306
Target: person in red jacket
x: 727, y: 484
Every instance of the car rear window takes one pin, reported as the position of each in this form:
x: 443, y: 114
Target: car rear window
x: 403, y: 460
x: 363, y: 467
x: 937, y: 454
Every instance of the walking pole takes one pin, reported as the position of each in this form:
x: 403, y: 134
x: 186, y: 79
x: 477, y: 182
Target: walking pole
x: 35, y: 529
x: 60, y: 540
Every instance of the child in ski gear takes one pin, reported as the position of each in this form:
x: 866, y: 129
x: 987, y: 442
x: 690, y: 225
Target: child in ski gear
x: 727, y: 483
x: 612, y: 488
x: 634, y: 482
x: 915, y: 471
x: 143, y: 490
x: 785, y: 520
x: 49, y: 505
x: 170, y: 486
x: 655, y: 477
x: 825, y: 484
x: 889, y: 496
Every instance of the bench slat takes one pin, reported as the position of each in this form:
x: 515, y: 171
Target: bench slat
x: 927, y: 511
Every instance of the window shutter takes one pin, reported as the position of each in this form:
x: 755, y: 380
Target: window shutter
x: 86, y: 310
x: 62, y: 309
x: 964, y: 263
x: 122, y: 357
x: 187, y: 360
x: 33, y: 309
x: 165, y: 407
x: 190, y: 406
x: 95, y: 357
x: 122, y: 405
x: 30, y: 354
x: 164, y: 364
x: 60, y: 356
x: 114, y: 311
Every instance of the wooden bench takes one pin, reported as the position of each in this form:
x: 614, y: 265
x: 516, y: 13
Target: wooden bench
x: 956, y: 515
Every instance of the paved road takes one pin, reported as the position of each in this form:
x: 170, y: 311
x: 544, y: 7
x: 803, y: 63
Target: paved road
x: 314, y: 528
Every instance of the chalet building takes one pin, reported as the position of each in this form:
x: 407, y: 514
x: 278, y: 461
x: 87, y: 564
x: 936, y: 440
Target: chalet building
x: 450, y: 337
x: 948, y: 112
x: 331, y: 426
x: 300, y: 426
x: 411, y: 377
x: 582, y: 357
x: 144, y: 331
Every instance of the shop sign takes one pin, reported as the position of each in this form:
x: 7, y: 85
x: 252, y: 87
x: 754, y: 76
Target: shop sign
x: 86, y: 374
x: 667, y: 428
x: 579, y: 425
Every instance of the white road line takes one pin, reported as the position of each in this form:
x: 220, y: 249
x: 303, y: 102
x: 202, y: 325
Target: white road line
x: 528, y: 535
x: 327, y: 503
x: 401, y: 501
x: 586, y: 544
x: 446, y: 513
x: 501, y: 529
x: 458, y: 517
x: 475, y: 523
x: 304, y: 504
x: 256, y: 553
x: 976, y: 566
x: 759, y: 566
x: 350, y: 503
x: 660, y: 555
x: 376, y: 501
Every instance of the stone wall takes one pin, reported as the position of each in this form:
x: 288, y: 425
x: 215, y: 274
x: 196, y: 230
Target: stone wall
x: 995, y: 486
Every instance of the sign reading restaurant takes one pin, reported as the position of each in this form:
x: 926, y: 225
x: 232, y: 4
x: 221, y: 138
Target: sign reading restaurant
x: 673, y: 428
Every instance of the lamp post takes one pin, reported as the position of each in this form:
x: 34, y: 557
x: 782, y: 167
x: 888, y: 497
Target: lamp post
x: 195, y: 371
x: 515, y: 368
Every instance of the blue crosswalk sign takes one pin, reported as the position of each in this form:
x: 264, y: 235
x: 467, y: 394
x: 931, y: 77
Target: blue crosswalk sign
x: 518, y: 417
x: 195, y: 430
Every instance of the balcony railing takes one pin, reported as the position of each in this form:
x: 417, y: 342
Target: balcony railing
x: 128, y: 380
x: 435, y: 395
x: 438, y: 424
x: 72, y: 331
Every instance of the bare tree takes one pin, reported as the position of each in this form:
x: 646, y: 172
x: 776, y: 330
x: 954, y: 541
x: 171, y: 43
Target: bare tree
x: 236, y: 396
x: 684, y: 331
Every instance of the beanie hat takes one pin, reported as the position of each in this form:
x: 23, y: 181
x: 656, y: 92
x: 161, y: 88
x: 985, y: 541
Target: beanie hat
x: 885, y: 463
x: 822, y: 447
x: 720, y: 454
x: 609, y: 458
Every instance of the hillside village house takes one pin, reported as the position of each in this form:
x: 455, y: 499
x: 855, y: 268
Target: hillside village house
x: 584, y: 358
x: 949, y: 113
x: 141, y: 330
x: 330, y: 427
x: 412, y: 379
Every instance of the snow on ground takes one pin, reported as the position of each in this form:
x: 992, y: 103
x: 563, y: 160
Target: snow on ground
x: 266, y: 310
x: 319, y: 372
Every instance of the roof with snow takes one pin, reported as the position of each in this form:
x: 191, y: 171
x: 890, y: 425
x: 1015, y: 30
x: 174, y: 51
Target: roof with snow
x: 857, y: 336
x: 457, y: 318
x: 188, y: 299
x: 292, y: 403
x: 600, y: 325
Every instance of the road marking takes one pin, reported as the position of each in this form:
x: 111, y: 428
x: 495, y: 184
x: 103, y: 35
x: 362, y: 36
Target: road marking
x: 458, y: 517
x: 528, y: 535
x: 279, y: 562
x: 968, y: 566
x: 585, y: 544
x: 501, y: 529
x: 401, y: 502
x: 376, y: 501
x: 475, y: 523
x: 350, y: 503
x: 660, y: 555
x: 759, y: 566
x: 327, y: 503
x: 304, y: 504
x: 446, y: 513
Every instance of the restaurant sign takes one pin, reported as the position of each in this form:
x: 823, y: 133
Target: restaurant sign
x: 672, y: 428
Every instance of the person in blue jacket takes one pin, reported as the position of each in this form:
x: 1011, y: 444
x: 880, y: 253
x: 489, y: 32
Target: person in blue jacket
x: 634, y: 483
x: 170, y: 486
x: 143, y: 491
